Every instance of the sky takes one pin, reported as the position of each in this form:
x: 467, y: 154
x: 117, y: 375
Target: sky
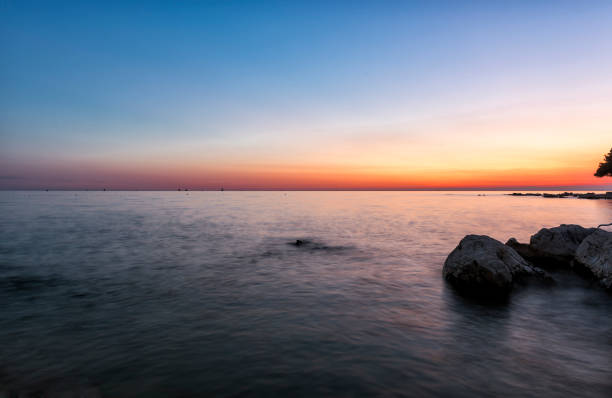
x: 304, y: 95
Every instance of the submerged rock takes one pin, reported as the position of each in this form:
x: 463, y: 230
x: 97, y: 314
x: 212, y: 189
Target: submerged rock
x: 481, y: 265
x: 554, y: 246
x: 595, y: 256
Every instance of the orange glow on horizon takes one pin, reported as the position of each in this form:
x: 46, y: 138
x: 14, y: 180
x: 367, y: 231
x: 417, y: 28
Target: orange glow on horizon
x: 292, y: 177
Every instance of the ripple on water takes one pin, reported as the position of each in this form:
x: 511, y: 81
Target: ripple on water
x: 159, y: 294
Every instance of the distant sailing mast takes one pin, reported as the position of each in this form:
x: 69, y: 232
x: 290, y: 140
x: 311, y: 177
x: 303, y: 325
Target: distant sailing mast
x: 222, y: 189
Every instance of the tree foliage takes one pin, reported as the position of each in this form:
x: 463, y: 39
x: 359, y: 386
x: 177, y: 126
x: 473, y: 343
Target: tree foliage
x: 605, y: 167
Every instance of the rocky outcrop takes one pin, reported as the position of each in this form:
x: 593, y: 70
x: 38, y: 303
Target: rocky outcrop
x: 589, y: 195
x: 554, y: 246
x: 594, y: 255
x: 522, y: 248
x: 481, y: 265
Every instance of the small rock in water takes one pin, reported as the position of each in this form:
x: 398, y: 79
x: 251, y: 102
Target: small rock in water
x: 521, y: 248
x: 481, y: 265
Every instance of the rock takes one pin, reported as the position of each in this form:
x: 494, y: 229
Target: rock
x: 527, y: 253
x: 556, y: 246
x: 300, y: 242
x: 595, y: 256
x: 481, y: 265
x: 521, y: 248
x: 524, y: 194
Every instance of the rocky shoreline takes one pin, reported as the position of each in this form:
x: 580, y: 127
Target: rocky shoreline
x: 483, y: 266
x: 588, y: 195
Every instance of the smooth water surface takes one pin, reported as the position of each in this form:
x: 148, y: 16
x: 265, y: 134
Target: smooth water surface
x: 121, y: 294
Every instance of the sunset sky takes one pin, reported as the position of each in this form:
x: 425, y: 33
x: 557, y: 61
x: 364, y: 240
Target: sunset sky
x: 304, y: 95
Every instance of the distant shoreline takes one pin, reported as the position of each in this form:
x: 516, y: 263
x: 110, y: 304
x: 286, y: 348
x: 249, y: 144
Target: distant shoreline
x: 587, y: 195
x: 553, y: 192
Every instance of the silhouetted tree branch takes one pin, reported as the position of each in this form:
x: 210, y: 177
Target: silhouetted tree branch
x: 605, y: 167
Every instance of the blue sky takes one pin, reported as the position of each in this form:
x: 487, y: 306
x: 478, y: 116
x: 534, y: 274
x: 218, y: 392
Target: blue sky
x: 215, y: 86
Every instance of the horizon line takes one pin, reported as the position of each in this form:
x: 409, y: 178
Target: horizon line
x: 365, y: 189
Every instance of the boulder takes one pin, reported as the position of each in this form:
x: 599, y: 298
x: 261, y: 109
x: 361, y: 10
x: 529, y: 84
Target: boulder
x: 595, y: 256
x: 481, y: 265
x: 521, y: 248
x: 556, y: 246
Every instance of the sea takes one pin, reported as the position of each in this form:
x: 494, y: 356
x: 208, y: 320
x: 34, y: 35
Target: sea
x: 189, y: 294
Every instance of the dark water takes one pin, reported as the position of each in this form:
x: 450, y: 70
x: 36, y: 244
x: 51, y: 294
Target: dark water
x: 121, y: 294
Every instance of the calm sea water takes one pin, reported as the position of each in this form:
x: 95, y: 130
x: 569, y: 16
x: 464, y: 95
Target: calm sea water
x: 121, y: 294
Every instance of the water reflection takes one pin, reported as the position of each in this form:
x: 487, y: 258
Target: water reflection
x: 157, y: 294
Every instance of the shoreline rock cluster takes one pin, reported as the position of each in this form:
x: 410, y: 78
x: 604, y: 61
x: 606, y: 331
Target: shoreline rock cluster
x: 481, y: 265
x: 588, y: 195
